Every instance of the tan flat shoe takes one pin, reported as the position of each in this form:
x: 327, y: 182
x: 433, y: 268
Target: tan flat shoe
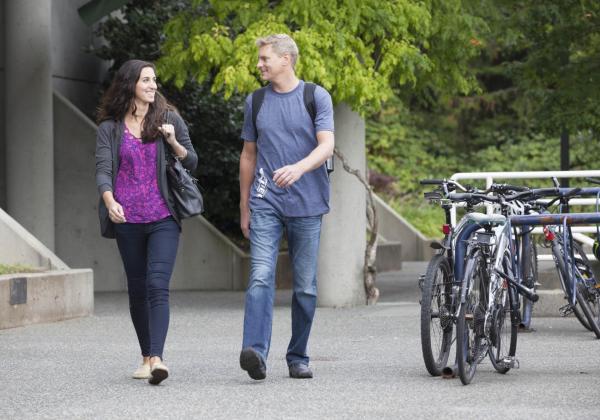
x: 143, y: 372
x: 158, y: 373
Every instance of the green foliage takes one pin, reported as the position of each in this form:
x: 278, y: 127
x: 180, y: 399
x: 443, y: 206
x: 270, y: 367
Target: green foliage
x: 15, y: 268
x: 361, y: 51
x: 214, y: 122
x: 427, y: 218
x: 559, y: 46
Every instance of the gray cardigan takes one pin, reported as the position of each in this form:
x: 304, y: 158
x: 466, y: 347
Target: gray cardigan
x: 108, y: 142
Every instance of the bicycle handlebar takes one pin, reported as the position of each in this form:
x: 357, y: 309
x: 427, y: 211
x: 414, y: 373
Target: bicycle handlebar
x: 473, y: 197
x: 432, y: 181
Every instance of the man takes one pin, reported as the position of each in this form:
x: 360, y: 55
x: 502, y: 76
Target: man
x: 283, y: 184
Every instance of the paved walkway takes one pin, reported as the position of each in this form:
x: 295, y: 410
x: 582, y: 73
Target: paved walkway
x: 367, y: 364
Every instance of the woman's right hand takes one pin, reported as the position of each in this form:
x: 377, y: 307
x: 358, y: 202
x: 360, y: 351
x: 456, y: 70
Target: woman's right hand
x: 115, y: 212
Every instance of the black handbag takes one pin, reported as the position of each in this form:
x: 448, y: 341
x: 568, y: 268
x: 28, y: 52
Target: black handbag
x: 107, y: 227
x: 184, y: 189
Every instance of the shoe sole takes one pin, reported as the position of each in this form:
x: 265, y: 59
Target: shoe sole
x: 307, y: 375
x: 251, y: 363
x: 157, y: 376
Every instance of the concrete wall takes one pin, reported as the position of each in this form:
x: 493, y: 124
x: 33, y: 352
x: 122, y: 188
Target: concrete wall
x: 21, y: 247
x: 343, y: 235
x: 394, y: 228
x: 2, y: 112
x: 54, y: 293
x: 49, y: 297
x: 77, y: 237
x: 76, y: 74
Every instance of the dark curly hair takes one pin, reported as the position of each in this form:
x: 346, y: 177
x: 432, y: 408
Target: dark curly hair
x: 119, y: 98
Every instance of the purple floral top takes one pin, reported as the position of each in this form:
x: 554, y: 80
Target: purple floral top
x: 136, y: 186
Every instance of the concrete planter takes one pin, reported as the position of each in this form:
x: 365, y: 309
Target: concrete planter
x: 28, y: 298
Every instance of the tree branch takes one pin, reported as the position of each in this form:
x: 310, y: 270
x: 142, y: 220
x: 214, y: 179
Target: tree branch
x: 370, y: 269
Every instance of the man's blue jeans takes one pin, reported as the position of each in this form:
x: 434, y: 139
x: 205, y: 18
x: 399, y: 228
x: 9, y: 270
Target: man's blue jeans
x: 303, y: 234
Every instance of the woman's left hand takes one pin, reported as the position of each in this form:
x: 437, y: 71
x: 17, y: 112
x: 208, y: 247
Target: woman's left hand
x: 168, y: 131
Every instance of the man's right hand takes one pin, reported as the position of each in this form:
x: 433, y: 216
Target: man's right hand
x: 245, y: 222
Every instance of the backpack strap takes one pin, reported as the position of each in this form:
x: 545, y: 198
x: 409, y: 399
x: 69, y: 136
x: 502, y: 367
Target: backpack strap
x: 258, y: 97
x: 311, y: 107
x: 309, y: 100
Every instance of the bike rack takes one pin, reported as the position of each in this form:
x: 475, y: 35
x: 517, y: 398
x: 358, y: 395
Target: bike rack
x: 491, y: 177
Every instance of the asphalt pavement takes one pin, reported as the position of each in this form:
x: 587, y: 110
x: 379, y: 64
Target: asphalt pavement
x: 366, y: 361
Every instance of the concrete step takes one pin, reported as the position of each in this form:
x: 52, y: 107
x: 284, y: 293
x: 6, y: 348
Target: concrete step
x: 389, y: 256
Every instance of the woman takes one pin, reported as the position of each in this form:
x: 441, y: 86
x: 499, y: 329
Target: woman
x: 137, y: 127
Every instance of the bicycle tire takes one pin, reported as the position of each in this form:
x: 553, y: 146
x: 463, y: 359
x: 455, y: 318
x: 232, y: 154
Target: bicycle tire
x: 576, y: 309
x: 585, y: 307
x: 469, y: 325
x: 586, y: 316
x: 436, y: 315
x: 585, y: 268
x: 530, y: 279
x: 503, y: 334
x: 559, y: 262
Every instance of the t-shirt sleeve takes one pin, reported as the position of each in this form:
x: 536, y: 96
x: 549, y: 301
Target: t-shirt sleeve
x: 248, y: 130
x: 324, y: 117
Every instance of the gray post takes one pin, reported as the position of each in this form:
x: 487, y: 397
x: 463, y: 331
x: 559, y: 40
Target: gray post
x: 29, y: 130
x: 343, y: 236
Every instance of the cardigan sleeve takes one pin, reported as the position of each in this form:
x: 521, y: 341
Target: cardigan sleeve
x: 183, y: 137
x: 104, y: 164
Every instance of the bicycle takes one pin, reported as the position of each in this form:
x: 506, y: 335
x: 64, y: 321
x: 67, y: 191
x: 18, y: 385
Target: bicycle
x: 438, y: 285
x: 489, y: 311
x: 581, y: 289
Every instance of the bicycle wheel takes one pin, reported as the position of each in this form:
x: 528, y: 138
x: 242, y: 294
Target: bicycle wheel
x: 471, y: 318
x: 576, y: 309
x: 582, y: 300
x: 530, y: 277
x: 582, y: 308
x: 504, y: 326
x: 589, y: 292
x: 436, y: 315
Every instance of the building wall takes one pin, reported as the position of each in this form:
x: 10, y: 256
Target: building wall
x: 76, y: 74
x: 2, y: 113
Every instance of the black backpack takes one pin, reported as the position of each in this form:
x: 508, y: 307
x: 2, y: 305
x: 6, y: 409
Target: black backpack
x: 258, y: 97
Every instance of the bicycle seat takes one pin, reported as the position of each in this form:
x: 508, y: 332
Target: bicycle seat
x: 486, y: 219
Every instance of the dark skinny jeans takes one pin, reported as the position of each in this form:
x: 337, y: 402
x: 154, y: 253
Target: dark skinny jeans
x: 148, y: 251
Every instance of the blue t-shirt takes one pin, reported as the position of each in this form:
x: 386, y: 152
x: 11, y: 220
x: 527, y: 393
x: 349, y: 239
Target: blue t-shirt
x: 286, y: 135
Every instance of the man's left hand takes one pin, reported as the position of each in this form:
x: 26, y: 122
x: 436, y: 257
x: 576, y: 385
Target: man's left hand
x: 286, y: 176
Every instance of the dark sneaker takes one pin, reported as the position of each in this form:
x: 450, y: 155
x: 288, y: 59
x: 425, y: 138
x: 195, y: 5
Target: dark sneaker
x: 300, y: 371
x: 253, y: 363
x: 158, y: 373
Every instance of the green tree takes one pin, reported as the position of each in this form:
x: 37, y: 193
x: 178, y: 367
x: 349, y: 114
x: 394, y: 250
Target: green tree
x: 558, y: 68
x: 360, y: 50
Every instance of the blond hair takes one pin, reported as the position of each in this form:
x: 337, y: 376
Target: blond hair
x: 281, y: 44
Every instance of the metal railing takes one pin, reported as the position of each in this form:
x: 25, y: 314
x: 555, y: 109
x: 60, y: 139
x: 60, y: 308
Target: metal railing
x: 491, y: 177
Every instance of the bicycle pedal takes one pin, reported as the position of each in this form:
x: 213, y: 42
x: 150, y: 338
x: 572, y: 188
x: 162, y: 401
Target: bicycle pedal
x: 511, y: 362
x: 565, y: 310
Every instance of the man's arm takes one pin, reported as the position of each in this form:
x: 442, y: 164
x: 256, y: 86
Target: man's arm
x: 286, y: 176
x: 247, y: 168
